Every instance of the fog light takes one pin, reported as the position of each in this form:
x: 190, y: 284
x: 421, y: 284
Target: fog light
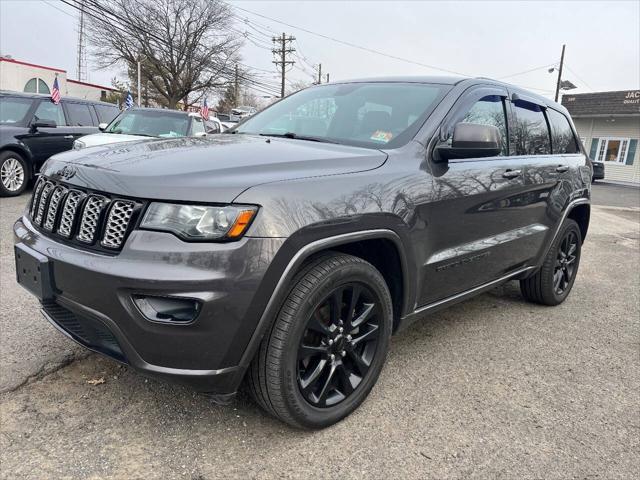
x: 168, y: 309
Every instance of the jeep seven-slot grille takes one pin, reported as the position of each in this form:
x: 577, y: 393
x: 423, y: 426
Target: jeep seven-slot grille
x: 80, y: 216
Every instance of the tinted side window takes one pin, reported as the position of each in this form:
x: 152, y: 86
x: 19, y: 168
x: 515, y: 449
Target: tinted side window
x: 106, y: 113
x: 79, y: 114
x: 531, y: 131
x: 48, y: 110
x: 490, y: 110
x: 562, y: 139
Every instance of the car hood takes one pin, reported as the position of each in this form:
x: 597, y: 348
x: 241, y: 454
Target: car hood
x: 108, y: 138
x: 213, y: 169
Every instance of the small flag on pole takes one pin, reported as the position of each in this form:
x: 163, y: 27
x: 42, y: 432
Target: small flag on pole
x: 204, y: 110
x: 128, y: 101
x: 55, y: 93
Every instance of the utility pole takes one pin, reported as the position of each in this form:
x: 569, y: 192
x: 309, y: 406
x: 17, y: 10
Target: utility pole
x: 319, y: 73
x: 139, y: 84
x: 82, y: 59
x: 281, y: 56
x: 327, y: 78
x: 560, y: 73
x: 236, y: 89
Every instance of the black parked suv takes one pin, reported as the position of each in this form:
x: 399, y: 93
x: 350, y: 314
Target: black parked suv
x: 287, y: 252
x: 32, y: 128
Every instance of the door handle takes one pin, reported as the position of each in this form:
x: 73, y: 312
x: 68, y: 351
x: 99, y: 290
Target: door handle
x: 512, y: 173
x: 68, y: 137
x: 562, y: 168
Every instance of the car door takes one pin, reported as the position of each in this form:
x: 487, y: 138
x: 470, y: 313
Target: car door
x: 546, y: 144
x: 46, y: 141
x: 479, y: 225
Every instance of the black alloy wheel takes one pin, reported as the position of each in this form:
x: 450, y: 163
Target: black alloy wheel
x: 565, y: 267
x: 328, y: 344
x: 338, y: 345
x: 552, y: 283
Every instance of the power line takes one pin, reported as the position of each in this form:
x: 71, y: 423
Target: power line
x: 578, y: 77
x: 59, y: 9
x: 353, y: 45
x: 95, y: 10
x: 527, y: 71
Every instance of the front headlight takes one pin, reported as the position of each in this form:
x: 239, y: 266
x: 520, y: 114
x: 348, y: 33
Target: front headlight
x: 199, y: 222
x: 78, y: 145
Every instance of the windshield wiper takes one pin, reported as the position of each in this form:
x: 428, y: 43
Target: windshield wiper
x: 295, y: 136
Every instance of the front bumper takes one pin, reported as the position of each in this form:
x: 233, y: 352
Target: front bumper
x: 93, y: 304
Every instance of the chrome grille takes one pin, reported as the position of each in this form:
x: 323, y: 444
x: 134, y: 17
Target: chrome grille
x: 36, y: 195
x: 117, y: 223
x: 81, y: 217
x: 56, y: 197
x: 90, y: 217
x: 42, y: 202
x: 69, y: 213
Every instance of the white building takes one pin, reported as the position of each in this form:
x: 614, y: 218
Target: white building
x: 21, y: 76
x: 609, y: 125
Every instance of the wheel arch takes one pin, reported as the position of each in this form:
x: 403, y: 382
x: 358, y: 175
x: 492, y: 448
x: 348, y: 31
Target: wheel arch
x: 382, y: 240
x: 581, y: 214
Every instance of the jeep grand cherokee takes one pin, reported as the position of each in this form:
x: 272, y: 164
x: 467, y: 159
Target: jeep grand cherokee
x: 287, y: 252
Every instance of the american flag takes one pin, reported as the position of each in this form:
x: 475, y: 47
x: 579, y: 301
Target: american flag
x: 128, y: 101
x: 204, y: 110
x: 55, y: 94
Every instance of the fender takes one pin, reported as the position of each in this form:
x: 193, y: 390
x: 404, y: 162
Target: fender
x: 298, y: 259
x: 556, y: 230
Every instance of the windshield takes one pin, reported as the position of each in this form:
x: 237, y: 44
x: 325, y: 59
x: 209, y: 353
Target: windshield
x: 13, y: 109
x: 371, y: 115
x: 150, y: 124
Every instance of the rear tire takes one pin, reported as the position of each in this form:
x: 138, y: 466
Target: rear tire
x: 326, y: 348
x: 14, y: 174
x: 552, y: 284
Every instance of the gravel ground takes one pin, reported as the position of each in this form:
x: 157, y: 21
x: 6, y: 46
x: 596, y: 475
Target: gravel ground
x: 491, y: 388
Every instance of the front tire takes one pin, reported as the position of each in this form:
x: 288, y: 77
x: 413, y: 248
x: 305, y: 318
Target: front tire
x: 552, y: 284
x: 14, y: 174
x: 328, y: 344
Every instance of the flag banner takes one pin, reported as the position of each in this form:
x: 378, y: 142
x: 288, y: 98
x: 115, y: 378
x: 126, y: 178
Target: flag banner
x: 55, y: 93
x: 204, y: 110
x: 128, y: 102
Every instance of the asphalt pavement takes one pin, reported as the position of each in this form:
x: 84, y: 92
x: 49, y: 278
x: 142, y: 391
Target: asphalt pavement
x: 491, y: 388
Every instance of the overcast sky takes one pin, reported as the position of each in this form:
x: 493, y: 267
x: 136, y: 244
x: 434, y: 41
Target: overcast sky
x: 477, y: 38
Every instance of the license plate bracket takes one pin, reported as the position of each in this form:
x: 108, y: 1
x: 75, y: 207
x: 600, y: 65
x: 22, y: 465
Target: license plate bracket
x: 34, y: 272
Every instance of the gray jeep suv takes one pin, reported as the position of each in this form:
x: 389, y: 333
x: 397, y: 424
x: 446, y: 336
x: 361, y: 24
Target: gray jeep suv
x: 287, y: 252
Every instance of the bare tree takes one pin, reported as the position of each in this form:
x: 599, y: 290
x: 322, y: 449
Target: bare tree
x: 186, y: 47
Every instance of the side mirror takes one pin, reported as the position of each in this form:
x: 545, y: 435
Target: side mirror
x: 470, y: 140
x: 42, y: 124
x: 102, y: 126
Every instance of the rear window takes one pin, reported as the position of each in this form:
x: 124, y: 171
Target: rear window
x: 562, y: 138
x: 531, y: 131
x: 79, y: 115
x: 14, y: 109
x: 106, y: 113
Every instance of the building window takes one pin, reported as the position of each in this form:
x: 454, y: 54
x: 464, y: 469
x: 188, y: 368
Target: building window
x: 36, y: 85
x: 613, y: 150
